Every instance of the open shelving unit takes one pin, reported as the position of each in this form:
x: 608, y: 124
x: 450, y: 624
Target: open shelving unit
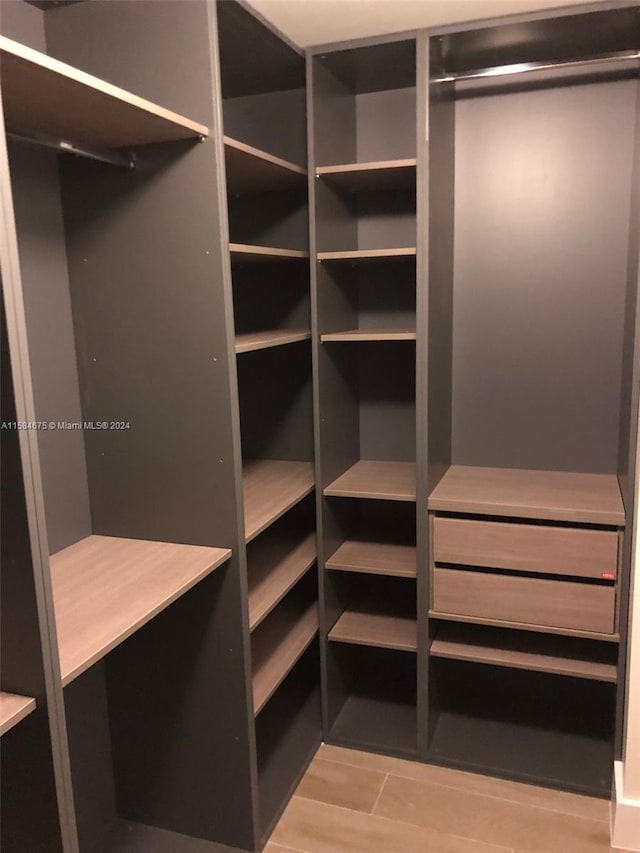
x: 366, y: 239
x: 105, y: 588
x: 264, y: 118
x: 14, y: 708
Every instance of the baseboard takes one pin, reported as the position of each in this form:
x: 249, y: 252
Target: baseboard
x: 625, y: 815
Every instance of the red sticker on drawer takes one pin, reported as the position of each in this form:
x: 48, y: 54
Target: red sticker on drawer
x: 608, y: 576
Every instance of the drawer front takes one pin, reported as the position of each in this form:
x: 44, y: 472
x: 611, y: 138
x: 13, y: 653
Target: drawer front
x: 526, y: 547
x: 530, y: 601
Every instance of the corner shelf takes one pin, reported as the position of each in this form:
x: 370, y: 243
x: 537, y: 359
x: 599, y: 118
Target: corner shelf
x: 252, y: 341
x: 553, y: 495
x: 276, y: 648
x: 13, y: 709
x: 251, y: 170
x: 538, y: 654
x: 391, y: 481
x: 370, y: 335
x: 46, y: 98
x: 376, y: 175
x: 368, y: 255
x: 244, y: 252
x: 271, y: 487
x: 377, y: 558
x: 364, y: 627
x: 105, y: 588
x: 274, y: 568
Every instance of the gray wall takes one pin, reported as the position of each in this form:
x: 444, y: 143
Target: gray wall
x: 23, y: 23
x: 542, y: 204
x: 45, y: 281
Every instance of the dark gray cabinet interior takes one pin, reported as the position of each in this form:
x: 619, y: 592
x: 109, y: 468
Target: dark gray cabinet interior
x: 323, y: 352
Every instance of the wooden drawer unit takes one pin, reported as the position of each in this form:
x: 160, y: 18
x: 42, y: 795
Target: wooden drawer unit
x: 544, y: 549
x: 524, y: 600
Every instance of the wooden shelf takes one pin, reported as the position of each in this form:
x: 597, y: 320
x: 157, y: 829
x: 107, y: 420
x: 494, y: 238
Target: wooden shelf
x: 369, y: 627
x: 252, y: 341
x: 276, y: 648
x: 105, y: 588
x: 376, y: 558
x: 275, y: 566
x: 391, y: 481
x: 251, y: 170
x: 457, y: 643
x: 271, y: 487
x: 371, y: 335
x: 553, y: 495
x: 243, y: 252
x: 14, y: 708
x: 377, y: 175
x: 46, y: 98
x: 525, y: 626
x: 367, y: 255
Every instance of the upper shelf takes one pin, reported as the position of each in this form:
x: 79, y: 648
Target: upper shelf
x: 45, y: 97
x: 391, y: 481
x: 378, y: 175
x: 368, y: 254
x: 271, y: 487
x: 371, y: 335
x: 251, y: 170
x: 105, y: 588
x: 553, y: 495
x: 252, y: 341
x: 14, y: 708
x: 263, y: 254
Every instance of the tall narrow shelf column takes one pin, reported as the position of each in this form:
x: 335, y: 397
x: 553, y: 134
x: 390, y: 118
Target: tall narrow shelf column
x: 365, y: 251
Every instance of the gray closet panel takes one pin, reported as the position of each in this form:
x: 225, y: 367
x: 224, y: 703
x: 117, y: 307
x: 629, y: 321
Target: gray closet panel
x: 534, y: 387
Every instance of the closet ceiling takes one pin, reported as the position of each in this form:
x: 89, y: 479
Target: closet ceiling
x: 309, y: 22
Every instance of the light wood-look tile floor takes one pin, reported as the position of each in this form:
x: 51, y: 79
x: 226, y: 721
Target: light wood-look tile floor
x: 357, y: 802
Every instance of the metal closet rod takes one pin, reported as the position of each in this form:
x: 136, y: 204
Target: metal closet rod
x: 114, y: 158
x: 525, y: 67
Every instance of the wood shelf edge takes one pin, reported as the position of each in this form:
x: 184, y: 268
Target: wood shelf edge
x: 13, y: 709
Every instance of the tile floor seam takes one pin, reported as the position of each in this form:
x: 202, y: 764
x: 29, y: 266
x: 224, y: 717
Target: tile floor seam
x: 384, y: 782
x: 499, y: 847
x: 475, y: 793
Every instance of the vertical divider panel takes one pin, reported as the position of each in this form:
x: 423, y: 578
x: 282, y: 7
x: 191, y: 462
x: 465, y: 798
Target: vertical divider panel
x: 422, y: 367
x: 46, y: 677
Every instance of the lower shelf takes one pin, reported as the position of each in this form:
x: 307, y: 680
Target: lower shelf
x: 376, y: 724
x: 536, y: 727
x: 277, y: 645
x: 520, y: 650
x: 374, y: 699
x: 14, y: 708
x: 370, y: 628
x: 126, y: 836
x: 288, y: 734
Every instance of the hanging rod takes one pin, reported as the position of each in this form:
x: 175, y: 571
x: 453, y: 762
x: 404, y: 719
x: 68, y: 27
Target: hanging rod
x: 102, y: 155
x: 524, y: 67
